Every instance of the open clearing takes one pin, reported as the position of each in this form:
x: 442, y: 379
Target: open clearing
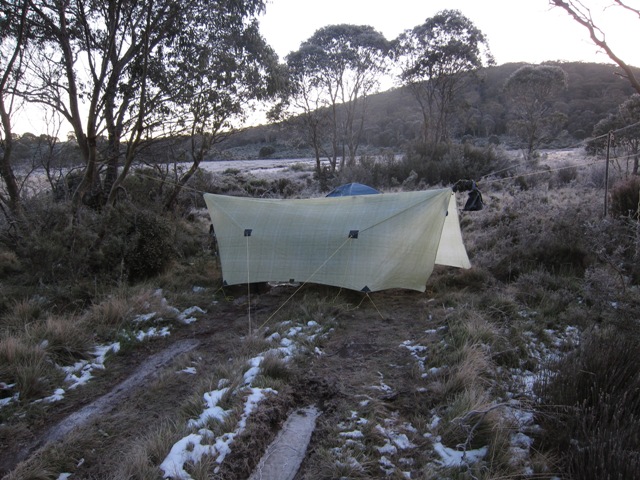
x: 406, y: 384
x: 362, y: 366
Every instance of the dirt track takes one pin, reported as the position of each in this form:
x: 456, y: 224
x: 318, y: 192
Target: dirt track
x: 361, y: 355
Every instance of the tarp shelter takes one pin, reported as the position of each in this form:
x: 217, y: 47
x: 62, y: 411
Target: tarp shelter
x: 352, y: 189
x: 364, y: 243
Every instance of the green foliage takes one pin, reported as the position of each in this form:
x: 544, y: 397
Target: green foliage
x: 435, y: 59
x: 331, y: 78
x: 124, y: 243
x: 148, y: 246
x: 531, y: 91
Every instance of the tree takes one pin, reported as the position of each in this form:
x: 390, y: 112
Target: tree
x: 331, y: 76
x: 625, y: 126
x: 13, y: 17
x: 435, y: 60
x: 117, y: 68
x: 530, y: 91
x: 581, y: 14
x: 230, y: 69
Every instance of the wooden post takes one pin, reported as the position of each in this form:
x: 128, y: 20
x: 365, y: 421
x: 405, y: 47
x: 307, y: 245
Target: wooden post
x: 606, y: 175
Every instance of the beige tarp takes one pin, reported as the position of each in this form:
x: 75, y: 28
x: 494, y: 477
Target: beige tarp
x: 367, y: 242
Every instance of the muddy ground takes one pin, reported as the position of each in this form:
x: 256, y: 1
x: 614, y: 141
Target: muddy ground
x: 361, y: 362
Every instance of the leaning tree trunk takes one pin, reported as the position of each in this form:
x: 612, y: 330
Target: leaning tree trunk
x: 6, y: 172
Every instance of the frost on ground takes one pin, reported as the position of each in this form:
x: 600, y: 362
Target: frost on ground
x: 82, y: 372
x: 202, y: 441
x: 369, y: 434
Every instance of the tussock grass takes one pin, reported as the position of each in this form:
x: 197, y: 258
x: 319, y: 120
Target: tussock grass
x: 331, y: 464
x: 274, y: 372
x: 65, y: 339
x: 464, y: 424
x: 253, y: 345
x: 140, y: 459
x: 9, y: 262
x: 26, y: 365
x: 471, y: 327
x: 22, y: 314
x: 111, y: 313
x: 472, y: 367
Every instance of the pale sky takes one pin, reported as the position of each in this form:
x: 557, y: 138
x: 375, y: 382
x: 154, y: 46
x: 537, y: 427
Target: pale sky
x: 517, y: 30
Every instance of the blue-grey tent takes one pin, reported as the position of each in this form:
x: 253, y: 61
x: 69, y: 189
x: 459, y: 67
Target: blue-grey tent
x: 352, y: 189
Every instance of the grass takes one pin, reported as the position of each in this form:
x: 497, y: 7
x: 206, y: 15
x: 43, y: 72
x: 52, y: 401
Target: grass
x: 525, y: 281
x: 25, y: 365
x: 590, y: 407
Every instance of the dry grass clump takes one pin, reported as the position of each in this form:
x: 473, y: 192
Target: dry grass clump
x: 112, y: 312
x: 547, y: 294
x: 591, y: 408
x: 65, y: 339
x: 9, y: 263
x: 274, y: 372
x: 25, y: 364
x: 533, y: 230
x: 21, y: 314
x: 140, y: 459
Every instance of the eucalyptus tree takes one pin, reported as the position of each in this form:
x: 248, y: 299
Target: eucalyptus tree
x: 624, y: 124
x: 331, y: 76
x: 115, y: 68
x: 531, y: 91
x: 581, y: 13
x: 13, y: 16
x: 215, y: 81
x: 436, y: 59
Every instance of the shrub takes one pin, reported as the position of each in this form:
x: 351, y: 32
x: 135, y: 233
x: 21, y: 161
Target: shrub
x: 133, y: 244
x: 63, y: 338
x: 148, y: 248
x: 9, y: 263
x: 453, y: 163
x: 566, y: 174
x: 54, y: 248
x: 625, y: 198
x: 266, y: 151
x: 591, y: 408
x: 191, y: 196
x: 145, y: 187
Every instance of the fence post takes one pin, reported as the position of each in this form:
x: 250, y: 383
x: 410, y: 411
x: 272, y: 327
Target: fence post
x: 606, y: 175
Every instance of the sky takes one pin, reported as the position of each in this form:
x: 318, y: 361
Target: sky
x: 517, y: 30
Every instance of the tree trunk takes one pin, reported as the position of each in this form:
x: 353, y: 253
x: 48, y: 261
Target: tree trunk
x: 6, y: 171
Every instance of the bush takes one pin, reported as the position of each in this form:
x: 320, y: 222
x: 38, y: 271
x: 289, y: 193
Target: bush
x: 625, y: 198
x: 145, y: 187
x: 455, y: 162
x: 191, y: 197
x: 148, y: 246
x: 592, y: 408
x: 566, y: 174
x: 266, y: 151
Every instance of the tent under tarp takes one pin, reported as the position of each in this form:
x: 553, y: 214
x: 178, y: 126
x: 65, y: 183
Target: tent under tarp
x: 365, y: 243
x: 352, y: 189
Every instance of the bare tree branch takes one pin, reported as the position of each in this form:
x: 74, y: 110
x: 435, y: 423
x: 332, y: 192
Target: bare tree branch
x: 582, y: 15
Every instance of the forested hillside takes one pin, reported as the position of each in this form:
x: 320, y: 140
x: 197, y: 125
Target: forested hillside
x: 394, y: 120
